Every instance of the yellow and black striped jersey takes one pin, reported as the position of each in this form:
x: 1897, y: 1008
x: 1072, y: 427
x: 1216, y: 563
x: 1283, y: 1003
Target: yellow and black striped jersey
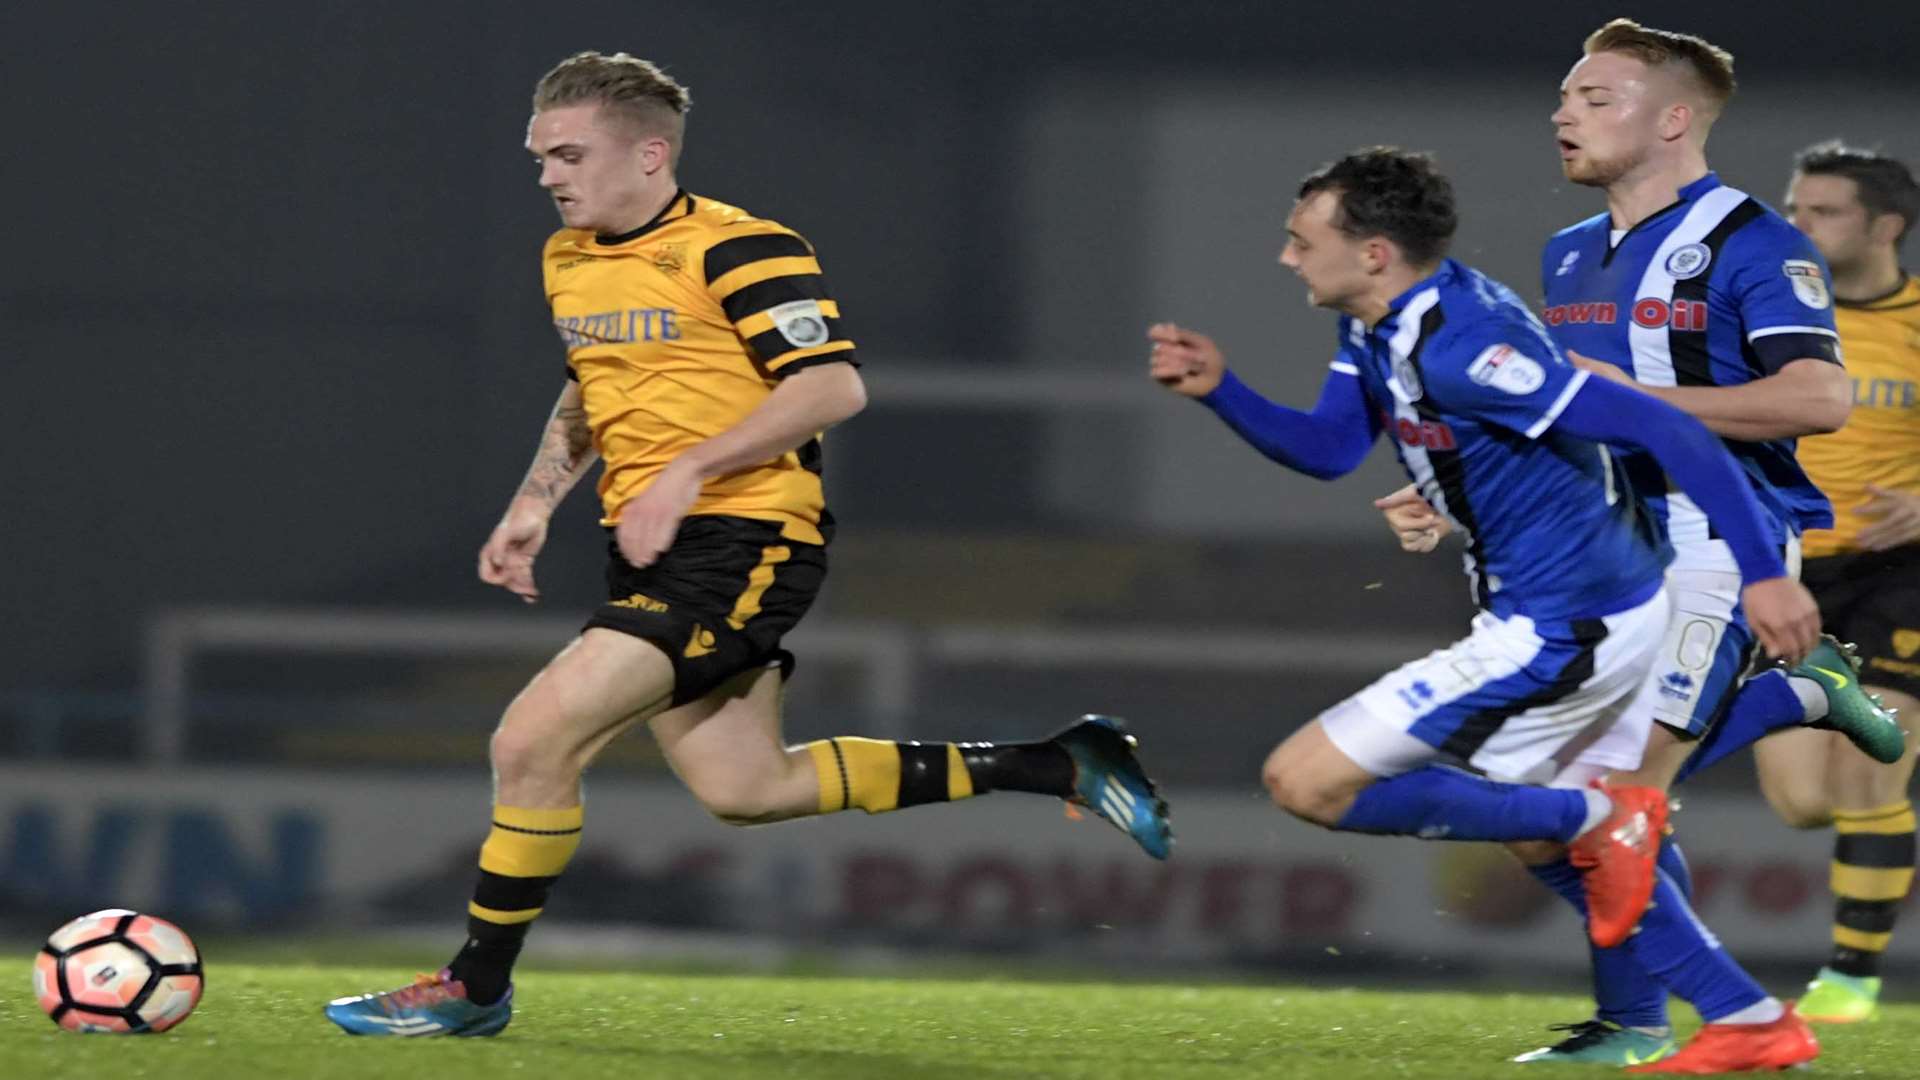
x: 1880, y: 444
x: 679, y: 329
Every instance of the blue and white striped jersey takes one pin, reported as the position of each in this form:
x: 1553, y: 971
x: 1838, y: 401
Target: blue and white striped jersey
x: 1468, y: 385
x: 1715, y: 290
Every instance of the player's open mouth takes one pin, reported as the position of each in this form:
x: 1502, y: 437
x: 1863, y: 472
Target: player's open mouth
x: 1567, y: 149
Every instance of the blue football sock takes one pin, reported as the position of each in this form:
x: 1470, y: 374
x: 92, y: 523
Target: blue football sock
x: 1671, y: 947
x: 1766, y: 704
x: 1437, y: 803
x: 1624, y: 992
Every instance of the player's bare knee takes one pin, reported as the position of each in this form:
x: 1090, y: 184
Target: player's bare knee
x: 1301, y: 794
x: 524, y: 753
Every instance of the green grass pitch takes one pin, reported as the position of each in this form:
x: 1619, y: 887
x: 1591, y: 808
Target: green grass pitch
x: 264, y: 1021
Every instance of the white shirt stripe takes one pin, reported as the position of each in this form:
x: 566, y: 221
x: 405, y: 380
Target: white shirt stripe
x: 1559, y: 406
x: 1772, y: 330
x: 1652, y: 355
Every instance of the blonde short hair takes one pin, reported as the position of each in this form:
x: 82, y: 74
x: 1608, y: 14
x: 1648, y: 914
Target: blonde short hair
x: 1708, y: 66
x: 635, y: 90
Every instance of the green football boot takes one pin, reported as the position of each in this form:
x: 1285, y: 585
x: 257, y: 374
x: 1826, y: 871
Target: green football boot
x: 1833, y: 998
x: 1850, y: 710
x: 1598, y: 1042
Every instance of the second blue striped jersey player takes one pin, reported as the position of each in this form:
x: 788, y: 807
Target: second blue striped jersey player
x: 1716, y: 290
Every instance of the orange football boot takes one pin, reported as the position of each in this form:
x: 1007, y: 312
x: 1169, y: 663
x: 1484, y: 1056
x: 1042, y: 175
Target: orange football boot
x: 1724, y: 1048
x: 1616, y: 861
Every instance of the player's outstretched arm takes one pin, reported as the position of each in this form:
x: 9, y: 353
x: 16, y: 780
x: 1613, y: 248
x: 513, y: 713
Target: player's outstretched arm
x: 1808, y: 396
x: 1780, y: 610
x: 1327, y: 443
x: 566, y: 453
x: 803, y: 405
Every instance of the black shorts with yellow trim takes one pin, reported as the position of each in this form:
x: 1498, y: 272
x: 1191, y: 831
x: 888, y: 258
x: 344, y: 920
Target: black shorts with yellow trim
x: 1872, y: 599
x: 717, y: 602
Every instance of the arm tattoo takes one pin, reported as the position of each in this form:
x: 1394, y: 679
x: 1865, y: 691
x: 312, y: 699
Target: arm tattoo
x: 566, y: 451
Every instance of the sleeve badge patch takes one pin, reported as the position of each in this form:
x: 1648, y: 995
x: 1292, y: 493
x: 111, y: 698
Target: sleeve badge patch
x: 1504, y: 369
x: 801, y: 322
x: 1809, y: 284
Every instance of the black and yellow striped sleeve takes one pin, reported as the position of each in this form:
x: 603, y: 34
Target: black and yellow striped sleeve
x: 768, y: 282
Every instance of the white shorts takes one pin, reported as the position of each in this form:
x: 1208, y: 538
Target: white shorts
x: 1515, y: 699
x: 1705, y: 652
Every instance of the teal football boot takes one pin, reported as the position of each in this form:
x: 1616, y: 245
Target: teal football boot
x: 1108, y: 779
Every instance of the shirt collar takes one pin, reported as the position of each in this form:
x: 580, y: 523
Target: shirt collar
x: 1444, y: 274
x: 681, y: 202
x: 1700, y: 187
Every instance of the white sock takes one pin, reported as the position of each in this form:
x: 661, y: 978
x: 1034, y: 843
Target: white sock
x: 1764, y: 1011
x: 1599, y: 805
x: 1813, y: 697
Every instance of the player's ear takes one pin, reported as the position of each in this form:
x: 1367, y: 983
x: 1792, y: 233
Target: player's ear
x: 1378, y: 253
x: 1886, y: 228
x: 1676, y: 120
x: 656, y: 153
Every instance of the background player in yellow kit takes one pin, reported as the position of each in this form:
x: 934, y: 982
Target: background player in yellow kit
x: 1858, y: 206
x: 704, y: 358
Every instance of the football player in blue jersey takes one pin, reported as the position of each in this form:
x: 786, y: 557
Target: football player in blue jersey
x: 1707, y: 299
x: 1501, y: 435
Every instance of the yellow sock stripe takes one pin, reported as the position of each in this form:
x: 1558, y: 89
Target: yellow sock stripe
x: 1870, y: 883
x: 748, y: 605
x: 1849, y: 938
x: 504, y: 918
x: 831, y: 771
x: 540, y: 819
x: 959, y: 781
x: 1890, y: 820
x: 528, y: 843
x: 873, y: 773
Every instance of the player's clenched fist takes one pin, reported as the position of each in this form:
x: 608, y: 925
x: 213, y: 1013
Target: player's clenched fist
x: 1184, y: 361
x: 506, y: 559
x: 1413, y: 520
x: 1783, y: 616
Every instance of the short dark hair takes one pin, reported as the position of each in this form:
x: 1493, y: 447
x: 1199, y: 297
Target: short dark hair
x: 1885, y: 184
x: 1398, y: 194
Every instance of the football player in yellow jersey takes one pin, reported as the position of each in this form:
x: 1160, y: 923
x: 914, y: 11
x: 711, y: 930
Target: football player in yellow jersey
x: 704, y: 358
x: 1858, y: 206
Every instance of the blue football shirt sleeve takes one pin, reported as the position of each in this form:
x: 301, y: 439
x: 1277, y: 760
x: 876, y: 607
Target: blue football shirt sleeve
x: 1691, y: 455
x: 1327, y: 443
x: 1784, y: 293
x: 1521, y: 386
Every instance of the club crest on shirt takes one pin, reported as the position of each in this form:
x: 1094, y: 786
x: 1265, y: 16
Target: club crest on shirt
x: 1809, y: 284
x: 1500, y: 367
x: 1688, y: 261
x: 670, y: 258
x: 1407, y: 378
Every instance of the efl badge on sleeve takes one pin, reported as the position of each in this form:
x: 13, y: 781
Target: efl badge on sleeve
x: 801, y: 322
x: 1809, y: 284
x: 1504, y: 369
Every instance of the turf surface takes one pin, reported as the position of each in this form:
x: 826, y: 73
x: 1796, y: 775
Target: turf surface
x: 264, y: 1021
